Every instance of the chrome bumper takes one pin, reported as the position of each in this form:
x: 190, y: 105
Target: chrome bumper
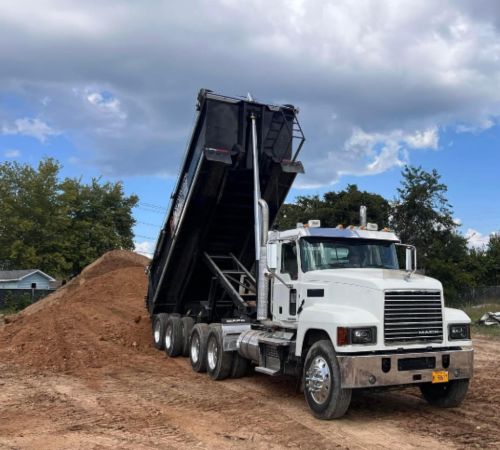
x: 366, y: 371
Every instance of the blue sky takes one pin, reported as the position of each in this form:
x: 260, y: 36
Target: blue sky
x: 109, y: 87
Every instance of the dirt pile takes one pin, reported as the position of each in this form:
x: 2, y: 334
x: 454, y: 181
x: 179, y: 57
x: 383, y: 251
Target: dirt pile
x: 96, y: 320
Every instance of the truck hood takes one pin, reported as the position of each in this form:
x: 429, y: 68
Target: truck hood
x: 378, y: 279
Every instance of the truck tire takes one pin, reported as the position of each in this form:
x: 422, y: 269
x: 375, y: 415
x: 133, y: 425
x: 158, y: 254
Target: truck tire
x: 445, y: 395
x: 218, y: 361
x: 324, y: 395
x: 198, y: 347
x: 158, y: 325
x: 239, y: 366
x: 187, y: 327
x: 173, y: 337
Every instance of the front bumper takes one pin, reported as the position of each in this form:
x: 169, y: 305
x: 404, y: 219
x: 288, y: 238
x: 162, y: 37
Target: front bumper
x: 366, y: 371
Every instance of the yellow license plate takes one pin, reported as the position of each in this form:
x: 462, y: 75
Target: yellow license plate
x: 440, y: 377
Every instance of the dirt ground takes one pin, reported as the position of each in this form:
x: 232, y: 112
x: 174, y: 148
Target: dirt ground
x: 78, y: 371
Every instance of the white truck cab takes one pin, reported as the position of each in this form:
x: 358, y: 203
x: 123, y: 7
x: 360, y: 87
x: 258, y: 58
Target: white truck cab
x: 384, y: 326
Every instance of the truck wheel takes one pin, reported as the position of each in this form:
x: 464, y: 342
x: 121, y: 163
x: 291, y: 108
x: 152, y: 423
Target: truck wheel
x: 187, y: 327
x: 323, y: 392
x: 239, y: 366
x: 218, y: 361
x: 445, y: 395
x: 173, y: 337
x: 159, y: 324
x: 198, y: 347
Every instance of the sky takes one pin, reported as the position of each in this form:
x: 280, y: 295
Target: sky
x: 109, y: 89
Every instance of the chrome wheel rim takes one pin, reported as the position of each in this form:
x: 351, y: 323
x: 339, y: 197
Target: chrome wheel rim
x: 212, y: 353
x: 195, y: 347
x: 157, y: 331
x: 319, y: 380
x: 168, y: 337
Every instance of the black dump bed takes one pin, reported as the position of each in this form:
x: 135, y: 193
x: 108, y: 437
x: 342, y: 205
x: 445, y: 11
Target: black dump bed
x: 211, y: 208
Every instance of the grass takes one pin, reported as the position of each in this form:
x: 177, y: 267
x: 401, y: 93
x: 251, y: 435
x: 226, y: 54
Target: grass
x: 476, y: 312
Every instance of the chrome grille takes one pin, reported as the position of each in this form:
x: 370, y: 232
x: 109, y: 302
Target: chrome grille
x: 412, y: 317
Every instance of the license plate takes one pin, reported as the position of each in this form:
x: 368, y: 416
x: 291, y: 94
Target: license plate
x: 440, y: 377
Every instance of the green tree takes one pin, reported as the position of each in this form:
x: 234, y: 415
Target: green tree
x: 492, y: 261
x: 422, y: 216
x: 59, y: 226
x: 336, y: 208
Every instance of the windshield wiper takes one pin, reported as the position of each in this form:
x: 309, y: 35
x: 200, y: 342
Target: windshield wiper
x: 378, y: 266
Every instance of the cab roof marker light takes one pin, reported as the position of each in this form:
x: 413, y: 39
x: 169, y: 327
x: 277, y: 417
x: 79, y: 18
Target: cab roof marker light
x: 339, y: 226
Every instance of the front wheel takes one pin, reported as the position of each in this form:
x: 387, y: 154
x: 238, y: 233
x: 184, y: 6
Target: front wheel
x: 323, y: 391
x: 445, y: 395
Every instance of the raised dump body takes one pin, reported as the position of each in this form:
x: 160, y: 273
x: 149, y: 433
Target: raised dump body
x: 206, y: 249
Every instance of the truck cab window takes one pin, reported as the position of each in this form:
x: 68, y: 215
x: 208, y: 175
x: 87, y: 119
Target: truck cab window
x: 326, y: 253
x: 289, y: 260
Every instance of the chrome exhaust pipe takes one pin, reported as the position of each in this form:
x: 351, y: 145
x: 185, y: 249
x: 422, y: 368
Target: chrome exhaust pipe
x: 362, y: 216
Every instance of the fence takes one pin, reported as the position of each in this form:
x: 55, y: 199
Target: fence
x: 35, y: 294
x: 475, y: 296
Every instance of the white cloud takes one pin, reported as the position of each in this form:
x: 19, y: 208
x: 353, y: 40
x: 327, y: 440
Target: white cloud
x: 398, y: 73
x: 484, y: 125
x: 31, y: 127
x: 476, y: 239
x: 109, y: 106
x: 372, y: 153
x: 12, y: 153
x: 424, y: 139
x: 45, y: 100
x: 457, y: 221
x: 144, y: 248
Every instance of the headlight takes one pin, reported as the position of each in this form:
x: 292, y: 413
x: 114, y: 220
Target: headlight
x: 459, y: 331
x: 362, y: 336
x: 347, y: 336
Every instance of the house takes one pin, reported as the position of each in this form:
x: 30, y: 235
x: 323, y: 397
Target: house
x: 24, y: 279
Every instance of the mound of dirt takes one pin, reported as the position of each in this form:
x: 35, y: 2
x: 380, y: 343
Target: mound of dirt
x: 96, y: 320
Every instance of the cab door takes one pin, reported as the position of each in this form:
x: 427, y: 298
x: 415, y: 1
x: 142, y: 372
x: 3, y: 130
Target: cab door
x: 285, y: 299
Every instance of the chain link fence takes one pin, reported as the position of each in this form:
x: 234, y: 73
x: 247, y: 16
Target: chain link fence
x: 475, y: 296
x: 16, y: 299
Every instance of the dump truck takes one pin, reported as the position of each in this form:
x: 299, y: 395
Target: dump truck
x: 329, y: 306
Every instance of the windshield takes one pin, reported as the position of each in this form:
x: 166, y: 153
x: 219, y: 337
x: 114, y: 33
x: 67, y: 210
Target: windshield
x: 327, y: 253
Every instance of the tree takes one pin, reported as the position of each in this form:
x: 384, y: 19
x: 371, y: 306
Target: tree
x: 59, y: 226
x: 336, y: 208
x: 422, y: 216
x: 492, y: 261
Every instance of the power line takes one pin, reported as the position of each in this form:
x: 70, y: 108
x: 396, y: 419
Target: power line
x: 150, y: 210
x: 145, y: 237
x: 150, y: 205
x: 150, y: 224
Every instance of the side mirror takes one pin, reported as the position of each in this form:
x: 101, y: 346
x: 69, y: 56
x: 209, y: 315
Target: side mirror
x: 272, y: 255
x: 409, y: 260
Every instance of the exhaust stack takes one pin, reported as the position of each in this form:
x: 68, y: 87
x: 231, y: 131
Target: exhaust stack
x: 362, y: 216
x: 262, y: 281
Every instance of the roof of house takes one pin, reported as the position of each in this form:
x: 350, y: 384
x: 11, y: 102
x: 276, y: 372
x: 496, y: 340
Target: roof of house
x: 16, y: 275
